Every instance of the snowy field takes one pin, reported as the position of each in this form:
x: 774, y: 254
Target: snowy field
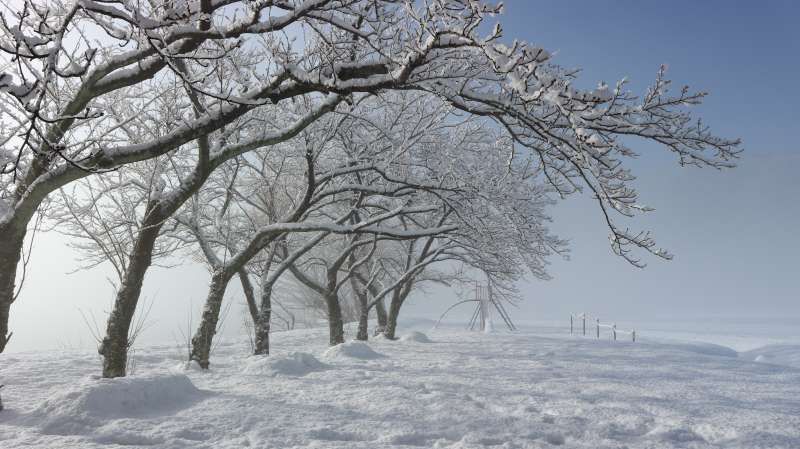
x: 446, y: 388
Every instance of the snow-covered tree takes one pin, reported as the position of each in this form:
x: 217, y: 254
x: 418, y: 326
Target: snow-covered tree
x: 72, y: 60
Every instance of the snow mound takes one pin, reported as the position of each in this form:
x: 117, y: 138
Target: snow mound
x: 352, y: 350
x: 292, y: 364
x: 83, y: 405
x: 704, y: 348
x: 417, y: 337
x: 778, y: 354
x: 188, y: 366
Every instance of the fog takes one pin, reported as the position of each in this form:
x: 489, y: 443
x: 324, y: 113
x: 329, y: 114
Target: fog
x: 734, y: 258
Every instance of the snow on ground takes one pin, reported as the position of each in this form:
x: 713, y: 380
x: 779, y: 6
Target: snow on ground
x: 291, y: 364
x: 457, y: 390
x: 779, y: 354
x: 351, y: 350
x: 418, y: 337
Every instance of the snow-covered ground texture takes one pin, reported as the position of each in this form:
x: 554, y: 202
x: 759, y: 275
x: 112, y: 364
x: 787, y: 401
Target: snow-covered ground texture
x: 446, y: 388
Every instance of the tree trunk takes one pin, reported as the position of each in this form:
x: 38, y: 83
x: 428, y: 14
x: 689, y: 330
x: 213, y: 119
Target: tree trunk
x: 262, y: 331
x: 202, y: 340
x: 114, y: 347
x: 399, y: 296
x: 262, y: 325
x: 11, y: 243
x: 391, y: 319
x: 363, y: 315
x: 363, y: 309
x: 380, y: 311
x: 249, y: 294
x: 363, y: 323
x: 335, y: 322
x: 263, y: 322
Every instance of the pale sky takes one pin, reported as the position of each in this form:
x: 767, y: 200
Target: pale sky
x: 733, y: 233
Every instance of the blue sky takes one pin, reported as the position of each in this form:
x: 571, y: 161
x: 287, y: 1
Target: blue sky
x: 734, y: 233
x: 744, y: 53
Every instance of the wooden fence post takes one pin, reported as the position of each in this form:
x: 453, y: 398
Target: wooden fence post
x: 613, y: 327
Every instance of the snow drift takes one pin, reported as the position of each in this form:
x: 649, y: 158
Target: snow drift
x: 352, y: 350
x: 417, y: 337
x: 96, y: 400
x: 292, y: 364
x: 702, y: 348
x: 778, y: 354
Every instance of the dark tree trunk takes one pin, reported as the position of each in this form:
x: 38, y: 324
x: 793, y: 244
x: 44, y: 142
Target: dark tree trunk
x: 263, y: 322
x: 380, y: 311
x: 249, y: 294
x: 202, y: 340
x: 262, y: 325
x: 114, y: 347
x: 398, y: 297
x: 11, y: 244
x: 363, y: 316
x: 391, y: 319
x: 363, y: 307
x: 335, y: 322
x: 262, y: 332
x: 363, y: 323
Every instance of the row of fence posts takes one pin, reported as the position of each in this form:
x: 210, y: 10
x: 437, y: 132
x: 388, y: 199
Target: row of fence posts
x: 613, y: 328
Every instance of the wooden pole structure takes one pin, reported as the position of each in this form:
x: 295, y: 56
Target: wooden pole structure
x: 598, y: 328
x: 489, y: 298
x: 484, y: 309
x: 614, y: 331
x: 584, y: 324
x: 570, y: 324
